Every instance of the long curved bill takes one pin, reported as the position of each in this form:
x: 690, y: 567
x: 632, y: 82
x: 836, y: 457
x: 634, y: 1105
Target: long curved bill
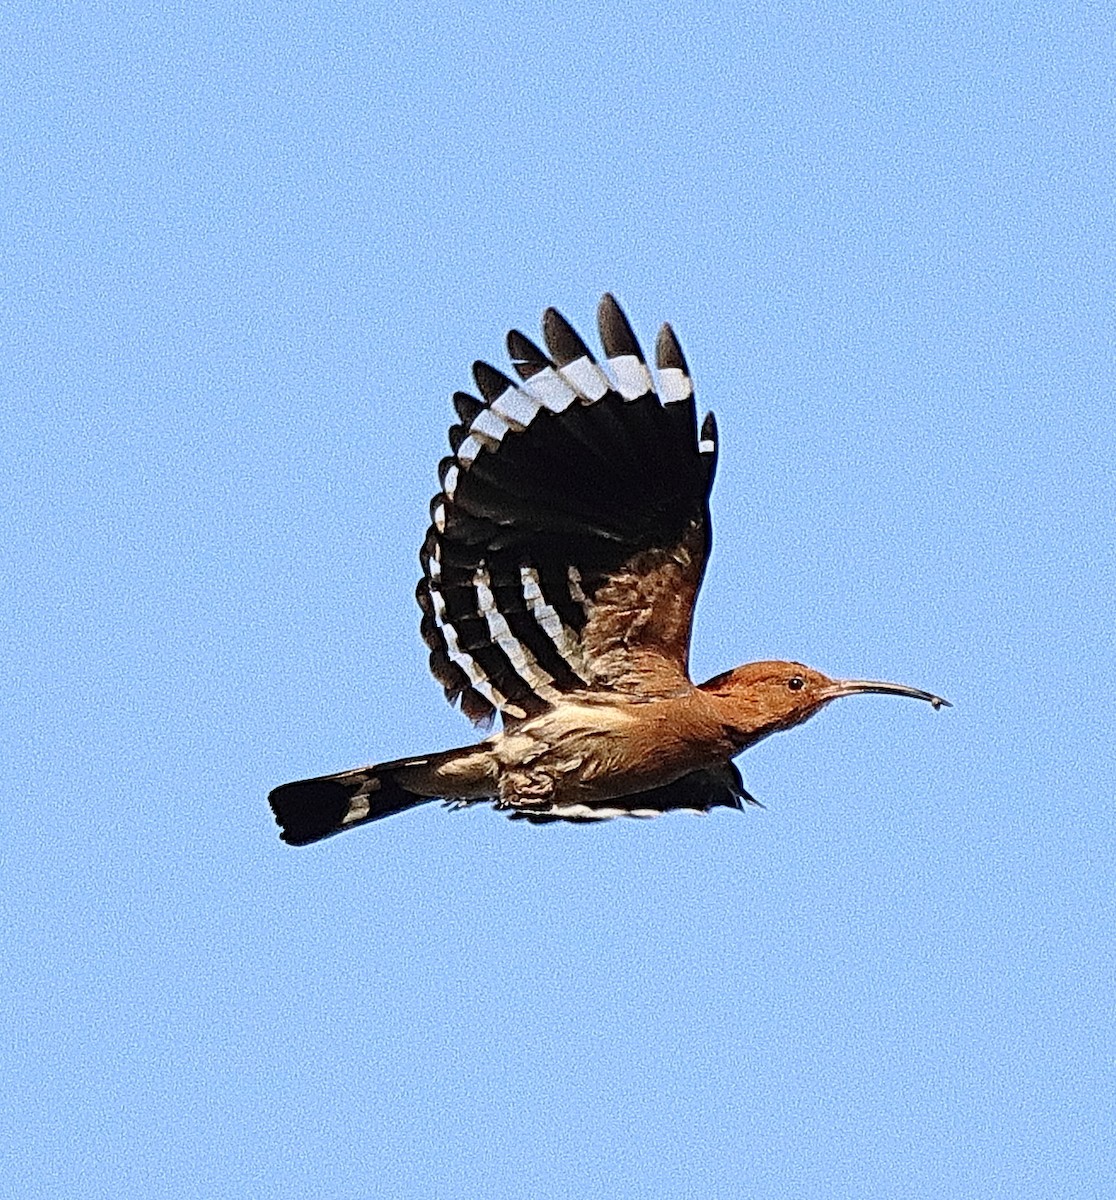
x: 852, y: 687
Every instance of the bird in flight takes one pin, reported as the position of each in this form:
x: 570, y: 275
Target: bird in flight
x: 559, y: 574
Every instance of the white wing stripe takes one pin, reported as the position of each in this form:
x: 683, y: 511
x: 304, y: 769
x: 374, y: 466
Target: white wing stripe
x: 586, y: 812
x: 565, y: 642
x: 488, y: 424
x: 632, y: 377
x: 586, y: 378
x: 467, y: 663
x: 468, y: 450
x: 552, y: 390
x: 517, y: 407
x: 674, y: 385
x: 525, y: 664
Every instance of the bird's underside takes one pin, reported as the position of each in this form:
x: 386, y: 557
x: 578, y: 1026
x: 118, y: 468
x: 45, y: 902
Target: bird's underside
x: 560, y: 570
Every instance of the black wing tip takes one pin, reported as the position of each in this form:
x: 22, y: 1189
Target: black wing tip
x: 466, y: 406
x: 562, y: 340
x: 708, y: 447
x: 668, y: 353
x: 617, y: 335
x: 490, y: 382
x: 480, y: 711
x: 708, y: 438
x: 526, y: 357
x: 445, y: 465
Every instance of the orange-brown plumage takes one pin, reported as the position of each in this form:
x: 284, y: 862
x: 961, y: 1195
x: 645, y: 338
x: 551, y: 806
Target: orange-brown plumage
x: 560, y: 573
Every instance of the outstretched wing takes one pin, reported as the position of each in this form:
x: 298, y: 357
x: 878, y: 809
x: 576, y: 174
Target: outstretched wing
x: 569, y: 539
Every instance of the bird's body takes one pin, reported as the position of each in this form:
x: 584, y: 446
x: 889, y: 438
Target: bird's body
x: 560, y: 572
x: 582, y: 752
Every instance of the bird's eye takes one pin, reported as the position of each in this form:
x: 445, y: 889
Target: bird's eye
x: 796, y: 683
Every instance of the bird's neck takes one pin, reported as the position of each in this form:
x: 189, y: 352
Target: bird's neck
x: 745, y: 713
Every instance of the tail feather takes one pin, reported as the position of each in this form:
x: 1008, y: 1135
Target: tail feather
x: 311, y: 809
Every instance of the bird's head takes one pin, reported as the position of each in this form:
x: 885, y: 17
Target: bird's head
x: 766, y: 697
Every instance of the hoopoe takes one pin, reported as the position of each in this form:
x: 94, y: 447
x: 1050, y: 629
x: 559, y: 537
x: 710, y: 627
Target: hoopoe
x: 559, y: 574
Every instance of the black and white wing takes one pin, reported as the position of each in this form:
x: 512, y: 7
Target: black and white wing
x: 569, y: 539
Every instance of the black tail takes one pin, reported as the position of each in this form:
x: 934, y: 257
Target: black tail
x: 311, y: 809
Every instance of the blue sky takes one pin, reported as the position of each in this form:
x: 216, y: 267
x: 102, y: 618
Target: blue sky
x: 248, y: 254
